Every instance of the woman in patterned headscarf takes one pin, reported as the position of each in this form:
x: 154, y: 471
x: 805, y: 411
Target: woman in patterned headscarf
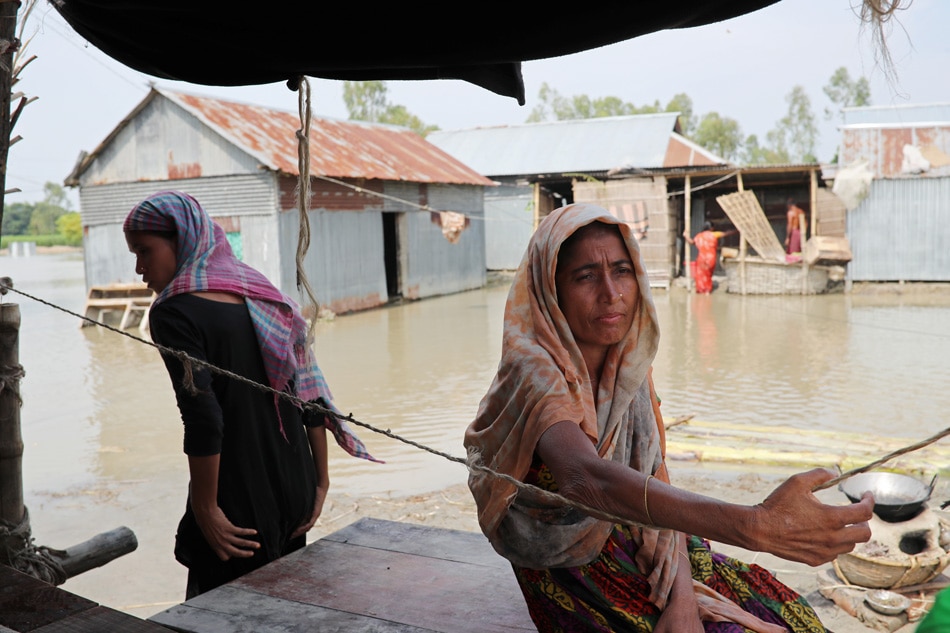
x: 572, y: 409
x: 258, y: 463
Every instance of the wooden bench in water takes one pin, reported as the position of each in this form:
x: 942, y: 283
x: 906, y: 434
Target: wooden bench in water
x: 372, y: 575
x: 132, y: 300
x: 29, y: 604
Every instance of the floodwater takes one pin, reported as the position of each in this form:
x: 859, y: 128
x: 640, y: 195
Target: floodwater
x: 103, y: 439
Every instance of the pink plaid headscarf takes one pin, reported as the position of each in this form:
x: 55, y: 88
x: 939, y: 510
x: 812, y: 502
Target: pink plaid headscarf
x: 207, y: 264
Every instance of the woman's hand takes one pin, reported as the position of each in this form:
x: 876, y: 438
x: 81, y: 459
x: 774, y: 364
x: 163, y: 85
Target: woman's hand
x: 681, y: 614
x: 317, y: 509
x: 226, y: 539
x: 793, y: 524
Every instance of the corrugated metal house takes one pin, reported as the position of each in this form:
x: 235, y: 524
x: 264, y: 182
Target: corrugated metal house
x: 541, y: 166
x: 901, y: 230
x: 378, y: 193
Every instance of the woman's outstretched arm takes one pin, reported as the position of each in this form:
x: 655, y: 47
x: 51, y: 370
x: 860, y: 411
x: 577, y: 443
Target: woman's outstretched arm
x: 791, y: 523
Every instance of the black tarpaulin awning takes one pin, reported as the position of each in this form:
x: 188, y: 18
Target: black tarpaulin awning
x: 213, y: 42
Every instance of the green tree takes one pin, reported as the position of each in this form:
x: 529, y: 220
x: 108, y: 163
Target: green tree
x: 753, y: 153
x: 56, y: 195
x: 399, y: 115
x: 684, y: 105
x: 44, y: 217
x: 844, y: 92
x: 365, y: 100
x: 720, y: 135
x: 554, y: 106
x: 16, y: 218
x: 368, y: 101
x: 795, y: 135
x: 69, y: 225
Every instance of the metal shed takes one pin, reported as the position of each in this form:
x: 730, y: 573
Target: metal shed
x: 899, y: 231
x: 379, y: 197
x: 541, y: 166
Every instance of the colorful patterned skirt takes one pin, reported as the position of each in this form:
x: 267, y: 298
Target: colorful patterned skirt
x: 610, y: 593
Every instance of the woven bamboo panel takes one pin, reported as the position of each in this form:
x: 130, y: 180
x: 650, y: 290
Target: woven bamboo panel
x: 831, y: 214
x: 743, y: 209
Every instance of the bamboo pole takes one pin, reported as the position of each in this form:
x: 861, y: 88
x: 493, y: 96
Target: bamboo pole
x: 743, y: 246
x: 11, y: 441
x: 688, y: 212
x: 813, y: 201
x: 801, y: 230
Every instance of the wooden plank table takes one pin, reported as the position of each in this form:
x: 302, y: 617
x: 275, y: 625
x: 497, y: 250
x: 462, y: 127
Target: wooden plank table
x: 29, y: 605
x: 373, y: 575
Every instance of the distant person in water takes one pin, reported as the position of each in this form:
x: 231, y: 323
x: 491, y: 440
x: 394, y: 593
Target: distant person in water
x: 258, y: 463
x: 794, y: 215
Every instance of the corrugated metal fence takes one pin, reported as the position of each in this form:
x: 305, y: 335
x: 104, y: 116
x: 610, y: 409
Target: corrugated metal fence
x: 901, y: 231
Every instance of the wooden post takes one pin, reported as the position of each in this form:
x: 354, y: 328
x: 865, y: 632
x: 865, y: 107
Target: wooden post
x: 98, y: 551
x: 813, y: 205
x: 801, y: 229
x: 743, y: 248
x: 688, y: 212
x: 13, y: 517
x: 11, y: 441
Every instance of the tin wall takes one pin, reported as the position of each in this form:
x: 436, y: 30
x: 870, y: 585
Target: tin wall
x: 163, y: 142
x: 509, y: 224
x: 432, y: 265
x: 346, y: 263
x: 883, y: 148
x: 900, y: 231
x: 245, y: 203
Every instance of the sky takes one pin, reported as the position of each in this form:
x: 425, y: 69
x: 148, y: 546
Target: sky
x: 742, y: 68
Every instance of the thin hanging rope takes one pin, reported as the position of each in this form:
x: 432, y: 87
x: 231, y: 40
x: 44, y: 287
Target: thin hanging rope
x: 303, y: 196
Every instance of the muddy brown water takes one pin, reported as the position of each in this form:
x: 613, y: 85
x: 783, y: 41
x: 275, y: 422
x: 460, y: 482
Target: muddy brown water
x: 103, y: 439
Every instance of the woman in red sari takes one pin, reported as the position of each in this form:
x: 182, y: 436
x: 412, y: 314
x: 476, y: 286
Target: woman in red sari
x: 707, y: 243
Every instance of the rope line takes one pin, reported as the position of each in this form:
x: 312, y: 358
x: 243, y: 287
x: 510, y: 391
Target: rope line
x: 190, y: 360
x: 473, y: 461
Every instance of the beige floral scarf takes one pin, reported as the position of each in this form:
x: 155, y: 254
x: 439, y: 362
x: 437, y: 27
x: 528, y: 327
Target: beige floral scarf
x: 542, y: 380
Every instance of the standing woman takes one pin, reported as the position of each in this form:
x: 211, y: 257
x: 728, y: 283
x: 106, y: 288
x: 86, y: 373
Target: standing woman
x: 258, y: 464
x: 572, y: 410
x: 707, y: 243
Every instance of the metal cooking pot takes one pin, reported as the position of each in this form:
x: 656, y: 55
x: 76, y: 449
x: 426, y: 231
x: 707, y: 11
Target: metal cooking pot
x: 896, y: 497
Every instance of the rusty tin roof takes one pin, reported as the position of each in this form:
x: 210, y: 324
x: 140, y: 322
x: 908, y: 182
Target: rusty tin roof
x: 339, y: 149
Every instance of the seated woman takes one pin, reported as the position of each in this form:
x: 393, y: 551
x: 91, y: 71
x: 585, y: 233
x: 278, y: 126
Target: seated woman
x: 572, y: 409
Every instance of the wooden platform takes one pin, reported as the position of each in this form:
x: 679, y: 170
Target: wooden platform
x: 31, y: 605
x: 373, y: 575
x: 131, y: 300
